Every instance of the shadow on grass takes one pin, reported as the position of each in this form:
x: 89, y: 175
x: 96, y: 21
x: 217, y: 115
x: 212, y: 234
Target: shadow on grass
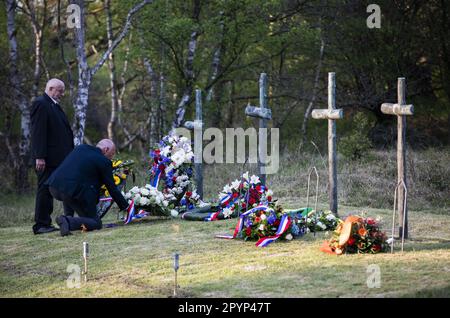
x: 423, y: 246
x: 147, y: 220
x: 440, y: 292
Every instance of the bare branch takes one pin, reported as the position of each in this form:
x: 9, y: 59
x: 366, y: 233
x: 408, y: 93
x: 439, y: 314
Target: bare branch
x: 122, y: 34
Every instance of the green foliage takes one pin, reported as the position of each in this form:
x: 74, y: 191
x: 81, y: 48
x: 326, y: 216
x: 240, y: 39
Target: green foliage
x: 356, y: 143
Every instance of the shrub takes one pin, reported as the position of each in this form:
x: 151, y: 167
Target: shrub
x: 356, y: 144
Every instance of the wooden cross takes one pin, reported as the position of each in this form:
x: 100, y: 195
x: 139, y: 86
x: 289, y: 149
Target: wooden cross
x: 264, y: 114
x: 198, y: 135
x: 331, y: 114
x: 401, y: 110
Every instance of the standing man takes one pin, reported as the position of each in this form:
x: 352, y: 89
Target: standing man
x: 77, y: 183
x: 51, y: 141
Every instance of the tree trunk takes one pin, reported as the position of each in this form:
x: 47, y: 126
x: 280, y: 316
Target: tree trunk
x: 21, y: 167
x: 214, y: 94
x: 38, y: 30
x: 162, y: 95
x: 84, y: 79
x: 85, y: 73
x: 112, y: 74
x: 189, y: 78
x: 314, y: 92
x: 153, y: 114
x: 122, y: 90
x: 63, y: 57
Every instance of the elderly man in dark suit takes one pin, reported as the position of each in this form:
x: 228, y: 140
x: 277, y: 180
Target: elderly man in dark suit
x: 77, y: 183
x: 52, y: 141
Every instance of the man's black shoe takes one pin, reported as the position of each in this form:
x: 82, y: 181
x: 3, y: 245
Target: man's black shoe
x: 63, y: 225
x: 45, y: 229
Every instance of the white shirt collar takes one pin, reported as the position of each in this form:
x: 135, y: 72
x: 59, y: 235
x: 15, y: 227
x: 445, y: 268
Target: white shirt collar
x: 53, y: 100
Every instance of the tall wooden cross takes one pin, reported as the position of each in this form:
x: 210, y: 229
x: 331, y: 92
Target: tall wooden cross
x: 197, y: 127
x: 331, y: 114
x: 401, y: 110
x: 264, y: 114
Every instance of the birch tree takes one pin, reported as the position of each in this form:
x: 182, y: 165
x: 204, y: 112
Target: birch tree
x: 19, y: 98
x: 85, y: 73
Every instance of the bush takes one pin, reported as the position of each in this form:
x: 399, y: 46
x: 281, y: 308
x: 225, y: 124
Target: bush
x: 356, y: 144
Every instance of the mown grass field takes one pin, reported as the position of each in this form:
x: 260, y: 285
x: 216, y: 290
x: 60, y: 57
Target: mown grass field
x: 136, y: 260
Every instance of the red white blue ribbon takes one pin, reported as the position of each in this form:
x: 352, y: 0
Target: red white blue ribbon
x: 264, y: 241
x: 284, y: 225
x: 212, y: 216
x: 154, y: 183
x: 131, y: 213
x: 241, y: 221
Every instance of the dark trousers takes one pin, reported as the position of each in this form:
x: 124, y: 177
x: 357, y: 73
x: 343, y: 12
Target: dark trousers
x: 44, y: 201
x: 87, y: 212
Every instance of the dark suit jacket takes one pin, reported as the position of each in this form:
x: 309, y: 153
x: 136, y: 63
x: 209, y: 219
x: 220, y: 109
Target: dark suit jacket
x: 51, y: 135
x: 81, y: 175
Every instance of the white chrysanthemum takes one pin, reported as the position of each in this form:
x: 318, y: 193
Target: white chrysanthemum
x: 321, y: 225
x: 261, y: 227
x: 330, y: 217
x: 289, y: 237
x: 222, y: 195
x: 144, y: 201
x: 195, y: 195
x: 179, y: 157
x: 227, y: 212
x: 245, y: 176
x: 169, y: 168
x: 235, y: 184
x: 227, y: 189
x: 184, y: 184
x: 128, y: 195
x: 269, y: 193
x: 263, y: 217
x: 145, y: 192
x: 254, y: 179
x: 165, y: 151
x: 174, y: 213
x: 134, y: 190
x: 184, y: 139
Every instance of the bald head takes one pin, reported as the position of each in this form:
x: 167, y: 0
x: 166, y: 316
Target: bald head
x: 107, y: 147
x: 55, y: 89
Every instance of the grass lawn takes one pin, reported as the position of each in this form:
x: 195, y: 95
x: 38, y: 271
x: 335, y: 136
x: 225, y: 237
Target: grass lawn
x: 136, y: 261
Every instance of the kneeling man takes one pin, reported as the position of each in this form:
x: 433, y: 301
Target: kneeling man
x: 77, y: 183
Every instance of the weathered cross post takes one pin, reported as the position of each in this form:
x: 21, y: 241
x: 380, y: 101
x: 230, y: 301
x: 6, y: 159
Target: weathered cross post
x: 401, y: 110
x: 264, y: 114
x: 331, y: 114
x: 197, y: 126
